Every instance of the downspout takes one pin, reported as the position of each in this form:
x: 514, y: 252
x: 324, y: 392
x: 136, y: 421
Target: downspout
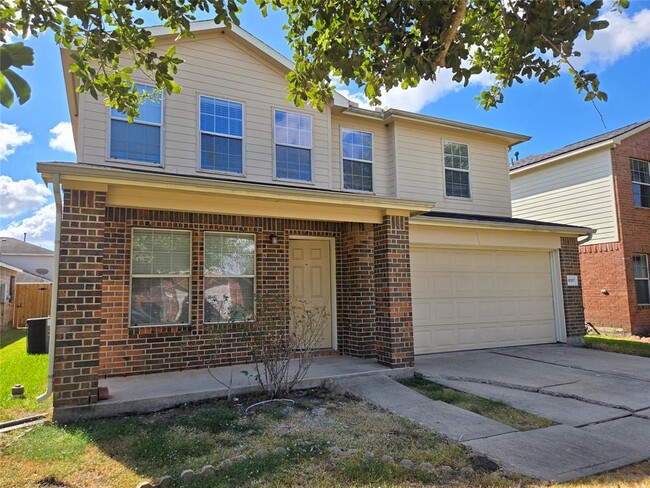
x: 586, y: 239
x: 56, y: 186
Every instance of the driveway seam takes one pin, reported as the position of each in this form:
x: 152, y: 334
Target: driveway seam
x: 531, y: 389
x: 578, y: 368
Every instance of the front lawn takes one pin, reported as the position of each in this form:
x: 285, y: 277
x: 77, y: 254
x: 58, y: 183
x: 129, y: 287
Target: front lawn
x: 121, y: 452
x: 498, y: 411
x: 16, y: 366
x: 621, y: 345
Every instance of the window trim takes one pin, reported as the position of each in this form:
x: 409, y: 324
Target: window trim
x: 200, y: 132
x: 189, y: 278
x: 254, y: 276
x: 645, y: 257
x: 311, y: 147
x: 445, y: 168
x: 372, y: 161
x: 634, y: 182
x: 109, y: 120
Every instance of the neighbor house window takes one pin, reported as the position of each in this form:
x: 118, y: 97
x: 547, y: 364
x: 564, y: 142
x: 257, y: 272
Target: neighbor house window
x: 456, y: 170
x: 641, y: 279
x: 640, y: 182
x: 229, y: 277
x: 160, y: 277
x: 292, y: 146
x: 222, y: 135
x: 357, y: 160
x: 140, y: 140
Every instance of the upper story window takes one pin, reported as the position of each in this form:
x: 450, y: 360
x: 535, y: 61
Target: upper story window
x: 640, y: 182
x: 641, y: 279
x: 357, y: 160
x: 456, y: 170
x: 160, y: 277
x: 222, y: 135
x: 292, y: 146
x: 140, y: 140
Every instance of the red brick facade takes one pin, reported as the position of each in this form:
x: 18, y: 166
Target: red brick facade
x: 574, y: 316
x: 94, y: 280
x: 608, y: 273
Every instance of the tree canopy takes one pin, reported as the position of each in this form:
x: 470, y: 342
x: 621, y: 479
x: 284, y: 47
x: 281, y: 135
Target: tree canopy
x: 375, y: 44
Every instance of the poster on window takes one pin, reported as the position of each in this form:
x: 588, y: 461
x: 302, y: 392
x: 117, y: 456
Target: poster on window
x: 159, y: 301
x: 228, y: 300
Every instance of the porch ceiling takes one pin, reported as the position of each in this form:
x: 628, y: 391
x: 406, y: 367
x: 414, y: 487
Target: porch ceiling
x: 154, y: 190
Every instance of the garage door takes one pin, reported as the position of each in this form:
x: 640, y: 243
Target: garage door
x: 471, y: 299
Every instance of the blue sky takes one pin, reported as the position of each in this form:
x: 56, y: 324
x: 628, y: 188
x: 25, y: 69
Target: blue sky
x: 553, y: 114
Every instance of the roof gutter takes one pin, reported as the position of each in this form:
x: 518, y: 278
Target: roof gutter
x: 455, y: 222
x: 56, y: 187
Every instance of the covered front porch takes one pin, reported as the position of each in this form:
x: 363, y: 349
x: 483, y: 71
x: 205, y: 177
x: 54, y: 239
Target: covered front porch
x: 153, y: 392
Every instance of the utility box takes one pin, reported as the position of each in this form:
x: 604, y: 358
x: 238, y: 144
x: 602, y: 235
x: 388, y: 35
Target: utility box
x: 37, y: 335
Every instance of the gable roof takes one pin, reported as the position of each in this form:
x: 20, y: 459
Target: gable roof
x: 621, y: 133
x: 9, y: 245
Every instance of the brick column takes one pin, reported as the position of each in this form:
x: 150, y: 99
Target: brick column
x: 80, y: 298
x: 574, y: 313
x: 357, y: 321
x: 393, y: 292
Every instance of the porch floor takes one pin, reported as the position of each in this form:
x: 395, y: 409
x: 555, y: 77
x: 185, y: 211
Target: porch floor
x: 158, y: 391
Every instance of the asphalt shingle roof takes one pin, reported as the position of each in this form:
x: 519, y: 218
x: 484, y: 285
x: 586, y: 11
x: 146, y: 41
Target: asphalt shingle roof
x: 496, y: 219
x: 9, y: 245
x: 537, y: 158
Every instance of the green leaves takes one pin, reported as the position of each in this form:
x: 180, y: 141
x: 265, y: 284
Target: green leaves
x: 375, y: 44
x: 15, y: 55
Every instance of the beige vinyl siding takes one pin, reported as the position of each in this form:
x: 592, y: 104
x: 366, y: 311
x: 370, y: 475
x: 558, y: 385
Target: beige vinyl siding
x: 216, y: 65
x: 421, y: 170
x: 383, y: 176
x: 577, y: 191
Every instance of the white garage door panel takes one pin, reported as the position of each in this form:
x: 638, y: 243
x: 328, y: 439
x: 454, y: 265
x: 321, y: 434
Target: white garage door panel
x: 470, y: 299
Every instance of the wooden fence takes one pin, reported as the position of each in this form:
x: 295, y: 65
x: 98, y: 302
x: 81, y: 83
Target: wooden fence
x: 31, y: 300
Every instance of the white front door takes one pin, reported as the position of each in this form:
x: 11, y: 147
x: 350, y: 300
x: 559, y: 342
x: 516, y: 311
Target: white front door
x: 310, y: 278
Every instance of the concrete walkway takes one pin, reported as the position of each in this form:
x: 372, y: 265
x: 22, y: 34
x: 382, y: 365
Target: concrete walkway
x: 151, y: 392
x: 601, y: 401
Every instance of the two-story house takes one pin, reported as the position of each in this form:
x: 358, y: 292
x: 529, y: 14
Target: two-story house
x: 399, y: 224
x: 602, y: 183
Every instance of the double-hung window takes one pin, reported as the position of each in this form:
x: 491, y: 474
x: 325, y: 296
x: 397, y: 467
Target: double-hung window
x: 640, y: 182
x: 222, y: 135
x: 292, y: 146
x: 357, y: 160
x: 456, y: 170
x: 641, y: 279
x: 160, y: 277
x: 140, y: 140
x: 229, y: 277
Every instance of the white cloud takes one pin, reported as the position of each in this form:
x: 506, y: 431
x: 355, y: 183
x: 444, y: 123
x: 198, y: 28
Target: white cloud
x: 19, y: 197
x: 39, y: 227
x: 11, y: 137
x: 624, y: 35
x: 416, y: 98
x: 63, y: 139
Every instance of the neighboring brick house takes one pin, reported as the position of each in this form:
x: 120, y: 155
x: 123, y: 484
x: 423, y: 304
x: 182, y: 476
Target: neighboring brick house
x: 602, y: 183
x: 225, y: 192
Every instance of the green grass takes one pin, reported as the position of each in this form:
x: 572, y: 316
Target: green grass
x: 16, y: 366
x: 124, y: 451
x: 498, y: 411
x: 618, y: 344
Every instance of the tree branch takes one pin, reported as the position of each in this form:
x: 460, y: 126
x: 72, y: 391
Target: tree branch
x: 449, y: 35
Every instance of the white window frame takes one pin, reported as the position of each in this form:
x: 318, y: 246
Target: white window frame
x: 110, y: 117
x: 645, y: 258
x: 311, y: 148
x: 188, y: 276
x: 634, y: 182
x: 254, y: 275
x: 372, y: 161
x: 219, y: 134
x: 445, y: 168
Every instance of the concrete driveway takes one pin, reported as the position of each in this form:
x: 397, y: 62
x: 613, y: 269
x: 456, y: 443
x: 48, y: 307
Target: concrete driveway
x: 600, y: 400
